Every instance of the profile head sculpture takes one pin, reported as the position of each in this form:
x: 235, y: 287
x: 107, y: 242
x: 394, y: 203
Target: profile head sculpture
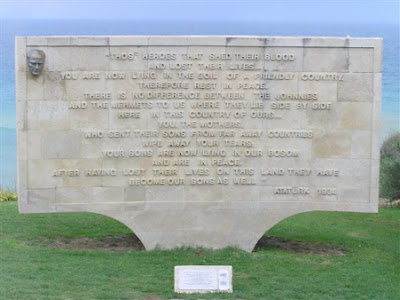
x: 36, y: 61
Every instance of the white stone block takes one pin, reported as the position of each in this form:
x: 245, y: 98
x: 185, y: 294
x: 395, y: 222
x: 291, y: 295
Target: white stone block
x: 356, y: 115
x: 74, y: 195
x: 58, y: 41
x: 47, y: 114
x: 129, y: 40
x: 316, y: 59
x: 36, y: 41
x: 361, y: 60
x: 333, y: 42
x: 60, y: 144
x: 41, y: 196
x: 89, y: 41
x: 108, y: 194
x: 356, y: 87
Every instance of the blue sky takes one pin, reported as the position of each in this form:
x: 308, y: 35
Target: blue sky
x: 357, y: 11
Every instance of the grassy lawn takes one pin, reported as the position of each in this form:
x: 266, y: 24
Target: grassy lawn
x: 31, y: 270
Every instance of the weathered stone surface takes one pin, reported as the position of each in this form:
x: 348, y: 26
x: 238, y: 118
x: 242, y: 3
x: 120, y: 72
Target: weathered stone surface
x: 199, y: 141
x: 60, y: 144
x: 330, y: 59
x: 356, y: 87
x: 361, y: 60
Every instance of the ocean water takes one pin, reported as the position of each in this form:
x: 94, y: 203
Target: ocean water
x: 11, y: 28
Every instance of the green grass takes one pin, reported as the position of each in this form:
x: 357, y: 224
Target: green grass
x: 370, y: 270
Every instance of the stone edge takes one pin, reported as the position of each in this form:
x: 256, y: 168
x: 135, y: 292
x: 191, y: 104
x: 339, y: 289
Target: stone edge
x: 202, y: 40
x: 20, y: 94
x: 376, y: 123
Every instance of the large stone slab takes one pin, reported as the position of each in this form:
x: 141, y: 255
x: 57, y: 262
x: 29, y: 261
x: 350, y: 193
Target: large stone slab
x: 198, y: 140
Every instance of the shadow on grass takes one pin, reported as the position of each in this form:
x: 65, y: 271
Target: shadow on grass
x: 272, y: 242
x: 130, y: 243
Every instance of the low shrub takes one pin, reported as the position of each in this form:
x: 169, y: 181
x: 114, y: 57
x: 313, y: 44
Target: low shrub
x: 391, y: 146
x: 390, y: 179
x: 390, y: 167
x: 7, y: 195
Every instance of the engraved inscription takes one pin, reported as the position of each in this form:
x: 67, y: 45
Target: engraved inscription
x: 207, y: 115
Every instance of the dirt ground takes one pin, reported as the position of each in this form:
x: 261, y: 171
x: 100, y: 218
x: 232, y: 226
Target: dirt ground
x: 109, y: 244
x: 132, y: 243
x: 298, y: 247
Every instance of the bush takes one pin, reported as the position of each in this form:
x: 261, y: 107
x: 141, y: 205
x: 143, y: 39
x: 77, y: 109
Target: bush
x: 390, y: 168
x: 7, y: 195
x: 391, y: 146
x: 390, y: 179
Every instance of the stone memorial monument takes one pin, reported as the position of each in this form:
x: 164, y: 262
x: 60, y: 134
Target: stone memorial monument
x: 198, y: 140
